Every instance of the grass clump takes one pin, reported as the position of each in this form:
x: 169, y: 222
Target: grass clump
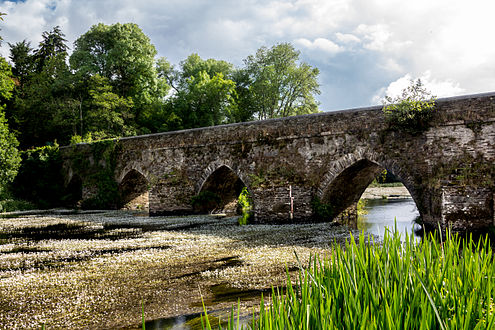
x: 394, y: 285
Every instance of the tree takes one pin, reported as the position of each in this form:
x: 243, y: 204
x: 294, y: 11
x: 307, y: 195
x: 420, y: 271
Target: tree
x: 53, y: 44
x: 107, y: 112
x: 204, y: 94
x: 9, y: 155
x: 22, y: 60
x: 43, y: 109
x: 278, y: 85
x: 412, y: 110
x: 124, y: 55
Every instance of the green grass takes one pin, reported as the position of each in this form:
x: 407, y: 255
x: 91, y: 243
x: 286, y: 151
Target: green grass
x: 431, y: 284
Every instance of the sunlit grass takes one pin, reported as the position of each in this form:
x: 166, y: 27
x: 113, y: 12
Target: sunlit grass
x: 431, y: 284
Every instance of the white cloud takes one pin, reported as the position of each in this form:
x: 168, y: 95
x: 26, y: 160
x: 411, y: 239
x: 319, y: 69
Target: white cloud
x: 320, y: 44
x: 361, y: 46
x: 347, y: 38
x: 437, y: 87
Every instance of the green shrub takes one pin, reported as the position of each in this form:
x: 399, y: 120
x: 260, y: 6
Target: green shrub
x: 10, y: 205
x: 39, y: 179
x: 245, y: 203
x: 412, y: 111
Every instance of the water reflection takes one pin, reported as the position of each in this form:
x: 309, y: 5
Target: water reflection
x: 387, y: 213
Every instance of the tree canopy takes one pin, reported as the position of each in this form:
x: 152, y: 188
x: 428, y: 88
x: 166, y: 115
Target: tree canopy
x: 277, y: 85
x: 9, y: 155
x: 113, y: 85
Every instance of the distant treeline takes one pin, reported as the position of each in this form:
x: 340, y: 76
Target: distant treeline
x: 113, y: 85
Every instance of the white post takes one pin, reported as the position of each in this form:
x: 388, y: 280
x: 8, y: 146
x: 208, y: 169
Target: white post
x: 291, y: 203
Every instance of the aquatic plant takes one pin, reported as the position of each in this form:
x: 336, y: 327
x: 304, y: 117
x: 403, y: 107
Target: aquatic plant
x: 246, y: 204
x: 432, y: 284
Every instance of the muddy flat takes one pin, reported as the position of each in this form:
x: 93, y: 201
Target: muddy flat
x: 98, y: 270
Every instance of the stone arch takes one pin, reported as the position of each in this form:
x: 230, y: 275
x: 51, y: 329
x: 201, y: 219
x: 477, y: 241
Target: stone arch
x: 355, y: 172
x: 134, y: 166
x: 214, y: 166
x: 134, y: 191
x: 223, y: 181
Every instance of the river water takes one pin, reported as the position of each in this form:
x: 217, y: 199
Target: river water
x: 388, y: 214
x: 100, y: 269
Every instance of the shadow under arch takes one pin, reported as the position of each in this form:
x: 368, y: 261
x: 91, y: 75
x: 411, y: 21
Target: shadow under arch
x: 219, y: 190
x: 73, y: 191
x: 134, y: 191
x: 346, y: 182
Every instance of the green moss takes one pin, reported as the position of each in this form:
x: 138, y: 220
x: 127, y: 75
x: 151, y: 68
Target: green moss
x: 465, y: 171
x: 176, y: 177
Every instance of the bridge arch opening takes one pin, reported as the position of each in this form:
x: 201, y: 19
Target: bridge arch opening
x: 353, y: 185
x: 73, y: 192
x: 134, y: 191
x: 220, y: 192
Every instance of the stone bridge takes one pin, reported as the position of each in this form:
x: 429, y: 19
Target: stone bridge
x: 321, y: 159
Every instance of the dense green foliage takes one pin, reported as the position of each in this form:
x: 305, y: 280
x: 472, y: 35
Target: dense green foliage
x: 412, y: 110
x: 322, y: 211
x: 9, y: 155
x: 279, y: 86
x: 393, y: 285
x: 40, y: 179
x: 115, y: 86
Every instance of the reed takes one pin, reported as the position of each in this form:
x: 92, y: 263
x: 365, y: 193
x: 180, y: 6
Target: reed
x: 397, y: 284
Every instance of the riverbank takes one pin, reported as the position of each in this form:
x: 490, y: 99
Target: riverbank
x: 95, y: 270
x: 384, y: 192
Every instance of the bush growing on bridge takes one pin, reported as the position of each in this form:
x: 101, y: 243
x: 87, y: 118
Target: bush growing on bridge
x: 412, y: 110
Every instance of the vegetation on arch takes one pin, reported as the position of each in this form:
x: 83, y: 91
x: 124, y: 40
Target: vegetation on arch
x: 412, y: 110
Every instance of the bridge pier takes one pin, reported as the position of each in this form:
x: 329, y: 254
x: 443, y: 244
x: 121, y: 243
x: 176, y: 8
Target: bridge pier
x: 466, y: 208
x: 272, y: 203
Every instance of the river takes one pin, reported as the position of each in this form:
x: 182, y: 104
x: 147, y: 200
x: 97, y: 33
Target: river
x: 388, y: 214
x: 99, y: 269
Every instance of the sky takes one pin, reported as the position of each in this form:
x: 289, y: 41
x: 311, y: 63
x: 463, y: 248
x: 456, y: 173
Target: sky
x: 364, y: 49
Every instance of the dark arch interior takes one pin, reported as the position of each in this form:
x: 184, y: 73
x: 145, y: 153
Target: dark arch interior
x: 346, y: 189
x: 73, y: 192
x: 133, y: 191
x: 221, y: 191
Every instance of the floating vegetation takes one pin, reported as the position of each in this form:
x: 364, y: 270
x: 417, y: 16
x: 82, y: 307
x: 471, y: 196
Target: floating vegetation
x: 93, y: 270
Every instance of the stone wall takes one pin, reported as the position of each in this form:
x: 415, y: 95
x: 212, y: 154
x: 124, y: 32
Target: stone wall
x: 331, y: 156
